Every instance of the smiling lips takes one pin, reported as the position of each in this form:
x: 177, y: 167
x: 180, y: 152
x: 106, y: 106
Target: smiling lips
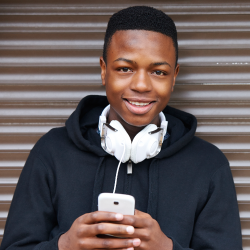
x: 138, y: 108
x: 139, y: 103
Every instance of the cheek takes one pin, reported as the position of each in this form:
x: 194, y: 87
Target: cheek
x: 113, y: 90
x: 164, y: 90
x: 110, y: 86
x: 116, y: 86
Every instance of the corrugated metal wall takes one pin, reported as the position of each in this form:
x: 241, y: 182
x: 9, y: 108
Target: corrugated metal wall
x: 49, y: 60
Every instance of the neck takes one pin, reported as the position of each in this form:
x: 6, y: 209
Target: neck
x: 130, y: 129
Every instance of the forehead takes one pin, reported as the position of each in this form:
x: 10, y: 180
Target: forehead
x: 144, y: 42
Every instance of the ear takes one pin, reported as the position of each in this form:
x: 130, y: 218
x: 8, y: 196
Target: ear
x: 175, y: 75
x: 103, y: 70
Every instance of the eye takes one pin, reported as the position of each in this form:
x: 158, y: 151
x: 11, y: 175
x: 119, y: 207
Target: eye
x: 125, y: 69
x: 159, y: 73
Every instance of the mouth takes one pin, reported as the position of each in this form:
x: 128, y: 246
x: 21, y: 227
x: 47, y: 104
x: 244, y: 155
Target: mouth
x: 139, y: 107
x: 139, y: 104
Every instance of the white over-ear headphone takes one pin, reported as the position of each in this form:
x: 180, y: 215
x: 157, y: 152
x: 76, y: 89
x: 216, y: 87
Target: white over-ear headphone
x: 146, y: 144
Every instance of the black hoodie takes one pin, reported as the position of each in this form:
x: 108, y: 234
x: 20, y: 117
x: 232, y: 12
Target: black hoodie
x: 188, y: 187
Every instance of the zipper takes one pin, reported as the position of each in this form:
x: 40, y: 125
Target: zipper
x: 129, y: 167
x: 128, y: 177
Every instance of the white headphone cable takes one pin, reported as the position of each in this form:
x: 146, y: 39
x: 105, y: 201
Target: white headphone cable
x: 117, y: 171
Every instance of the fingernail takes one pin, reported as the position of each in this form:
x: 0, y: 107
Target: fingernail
x: 119, y: 216
x: 130, y: 229
x: 136, y: 242
x: 130, y: 248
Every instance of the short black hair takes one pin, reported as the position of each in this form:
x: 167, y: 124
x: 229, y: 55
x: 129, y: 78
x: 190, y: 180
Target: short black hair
x: 140, y: 18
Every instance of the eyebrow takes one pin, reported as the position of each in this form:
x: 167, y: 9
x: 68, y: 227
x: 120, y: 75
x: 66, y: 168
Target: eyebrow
x: 133, y: 62
x: 125, y: 60
x: 160, y: 63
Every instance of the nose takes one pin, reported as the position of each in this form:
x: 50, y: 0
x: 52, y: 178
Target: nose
x: 141, y: 82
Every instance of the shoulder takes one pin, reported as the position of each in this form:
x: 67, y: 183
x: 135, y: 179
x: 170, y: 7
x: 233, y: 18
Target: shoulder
x: 198, y: 159
x: 52, y: 138
x: 53, y: 144
x: 205, y: 155
x: 206, y: 149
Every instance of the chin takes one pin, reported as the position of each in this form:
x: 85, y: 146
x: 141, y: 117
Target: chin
x: 140, y: 125
x: 137, y: 124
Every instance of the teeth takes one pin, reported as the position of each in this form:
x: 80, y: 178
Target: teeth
x: 139, y: 103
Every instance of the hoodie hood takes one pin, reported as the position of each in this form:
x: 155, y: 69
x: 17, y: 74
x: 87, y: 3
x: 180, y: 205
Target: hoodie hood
x: 83, y: 122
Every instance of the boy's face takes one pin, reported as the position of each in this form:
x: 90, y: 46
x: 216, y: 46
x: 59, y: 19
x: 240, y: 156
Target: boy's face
x: 139, y: 75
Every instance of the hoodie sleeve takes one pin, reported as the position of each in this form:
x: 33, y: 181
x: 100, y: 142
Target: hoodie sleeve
x: 31, y: 217
x: 218, y: 225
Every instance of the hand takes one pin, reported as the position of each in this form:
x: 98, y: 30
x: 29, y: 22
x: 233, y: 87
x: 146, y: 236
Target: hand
x: 148, y: 231
x: 83, y: 233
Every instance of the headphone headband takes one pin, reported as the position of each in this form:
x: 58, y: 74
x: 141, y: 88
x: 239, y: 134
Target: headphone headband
x: 105, y: 112
x: 146, y: 144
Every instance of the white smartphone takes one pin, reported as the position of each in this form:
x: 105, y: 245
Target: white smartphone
x: 118, y: 203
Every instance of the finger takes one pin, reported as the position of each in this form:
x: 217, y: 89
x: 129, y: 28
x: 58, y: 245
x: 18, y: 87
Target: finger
x: 106, y: 228
x: 99, y: 216
x: 139, y: 213
x: 141, y: 233
x: 130, y: 248
x: 97, y: 243
x: 136, y: 221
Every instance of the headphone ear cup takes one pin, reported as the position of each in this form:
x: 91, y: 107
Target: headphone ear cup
x: 143, y: 144
x: 115, y: 141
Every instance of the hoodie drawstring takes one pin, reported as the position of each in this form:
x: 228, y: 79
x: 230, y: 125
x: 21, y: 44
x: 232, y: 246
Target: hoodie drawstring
x: 98, y: 184
x: 153, y: 188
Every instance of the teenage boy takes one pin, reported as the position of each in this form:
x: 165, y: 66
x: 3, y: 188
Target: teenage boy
x: 185, y: 196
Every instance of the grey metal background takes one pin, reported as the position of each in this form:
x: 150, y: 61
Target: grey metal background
x: 49, y: 60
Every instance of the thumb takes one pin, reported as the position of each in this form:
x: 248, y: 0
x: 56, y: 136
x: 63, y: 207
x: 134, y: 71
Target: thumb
x: 140, y: 213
